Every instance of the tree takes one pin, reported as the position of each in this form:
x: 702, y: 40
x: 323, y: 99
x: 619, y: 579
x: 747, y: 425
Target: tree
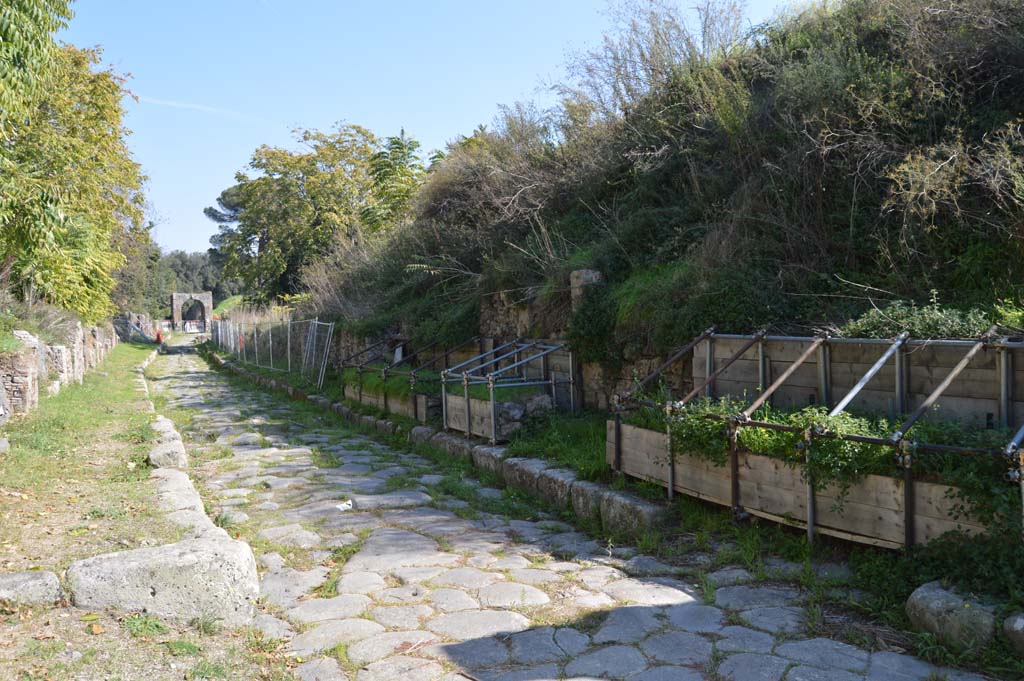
x: 26, y: 53
x: 292, y: 206
x: 71, y: 190
x: 396, y: 173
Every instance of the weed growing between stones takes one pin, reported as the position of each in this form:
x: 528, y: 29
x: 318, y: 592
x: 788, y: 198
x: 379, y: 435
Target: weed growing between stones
x: 180, y: 648
x: 206, y: 624
x: 340, y: 556
x: 140, y: 625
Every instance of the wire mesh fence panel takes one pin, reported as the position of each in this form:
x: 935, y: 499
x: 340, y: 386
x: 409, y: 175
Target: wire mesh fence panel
x: 296, y: 347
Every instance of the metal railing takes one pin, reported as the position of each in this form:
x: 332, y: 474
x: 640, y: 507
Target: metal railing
x: 904, y: 446
x: 509, y: 365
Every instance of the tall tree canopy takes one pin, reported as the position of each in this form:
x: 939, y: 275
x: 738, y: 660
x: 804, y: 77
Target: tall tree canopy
x: 26, y: 53
x: 70, y: 188
x: 292, y: 205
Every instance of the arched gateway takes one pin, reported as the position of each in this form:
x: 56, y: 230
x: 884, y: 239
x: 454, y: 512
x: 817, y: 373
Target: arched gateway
x: 190, y: 312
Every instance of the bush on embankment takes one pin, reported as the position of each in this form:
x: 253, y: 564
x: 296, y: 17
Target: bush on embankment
x: 793, y: 175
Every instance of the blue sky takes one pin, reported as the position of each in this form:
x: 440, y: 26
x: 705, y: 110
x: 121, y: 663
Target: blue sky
x: 217, y: 78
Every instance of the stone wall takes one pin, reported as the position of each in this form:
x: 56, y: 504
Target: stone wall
x: 19, y: 374
x: 38, y: 367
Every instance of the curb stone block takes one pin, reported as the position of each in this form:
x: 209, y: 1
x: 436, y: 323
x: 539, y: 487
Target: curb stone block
x: 554, y: 485
x: 489, y: 458
x: 625, y: 514
x: 586, y: 499
x: 955, y: 620
x: 368, y: 422
x: 1013, y: 629
x: 421, y: 434
x: 179, y: 582
x: 170, y: 454
x: 453, y: 444
x: 522, y: 473
x: 31, y: 587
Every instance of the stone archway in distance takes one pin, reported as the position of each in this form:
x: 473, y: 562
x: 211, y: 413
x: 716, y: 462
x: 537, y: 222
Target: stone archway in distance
x: 205, y: 302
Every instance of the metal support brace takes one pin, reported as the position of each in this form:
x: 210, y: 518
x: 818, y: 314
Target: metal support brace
x: 907, y: 450
x: 762, y: 367
x: 734, y: 469
x: 895, y: 348
x: 494, y: 413
x: 824, y: 377
x: 444, y: 400
x: 572, y: 382
x: 1005, y: 364
x: 942, y: 387
x: 807, y: 445
x: 710, y: 378
x: 671, y: 454
x: 709, y: 368
x: 618, y: 442
x: 748, y: 412
x: 469, y: 413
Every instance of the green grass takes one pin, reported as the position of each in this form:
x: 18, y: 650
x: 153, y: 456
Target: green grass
x: 139, y: 625
x: 82, y: 455
x: 207, y: 670
x: 227, y: 304
x: 340, y: 556
x: 576, y: 441
x: 8, y: 343
x: 181, y: 647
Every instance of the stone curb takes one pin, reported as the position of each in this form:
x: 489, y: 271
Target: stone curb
x: 206, y: 574
x: 620, y: 513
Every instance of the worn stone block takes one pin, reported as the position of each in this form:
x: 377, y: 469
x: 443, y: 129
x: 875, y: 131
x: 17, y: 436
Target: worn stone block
x: 554, y: 485
x: 453, y: 444
x: 169, y: 454
x: 586, y: 499
x: 179, y: 582
x: 31, y: 587
x: 489, y: 458
x: 625, y: 514
x: 1013, y: 629
x: 522, y: 473
x: 955, y: 620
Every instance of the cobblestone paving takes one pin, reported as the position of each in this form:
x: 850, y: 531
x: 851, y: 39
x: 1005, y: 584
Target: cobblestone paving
x: 430, y: 593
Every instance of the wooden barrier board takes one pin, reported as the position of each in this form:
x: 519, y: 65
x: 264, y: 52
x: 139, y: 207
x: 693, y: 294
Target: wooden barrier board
x: 972, y: 397
x: 872, y: 512
x: 480, y: 413
x: 394, y: 405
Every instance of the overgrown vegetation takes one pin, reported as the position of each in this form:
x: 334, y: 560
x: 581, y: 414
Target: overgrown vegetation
x: 851, y: 158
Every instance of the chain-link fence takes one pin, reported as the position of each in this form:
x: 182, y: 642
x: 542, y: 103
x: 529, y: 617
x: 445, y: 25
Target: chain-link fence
x: 295, y: 347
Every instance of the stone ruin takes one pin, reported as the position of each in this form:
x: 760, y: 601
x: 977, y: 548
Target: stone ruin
x: 40, y: 368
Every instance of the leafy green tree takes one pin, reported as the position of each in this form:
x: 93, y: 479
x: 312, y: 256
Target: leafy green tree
x: 292, y: 206
x: 26, y: 53
x: 71, y: 188
x: 396, y: 173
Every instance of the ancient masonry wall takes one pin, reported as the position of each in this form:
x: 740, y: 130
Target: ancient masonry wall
x: 37, y: 367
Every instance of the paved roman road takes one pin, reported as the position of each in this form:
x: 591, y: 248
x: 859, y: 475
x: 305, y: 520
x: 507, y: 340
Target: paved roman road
x: 434, y: 592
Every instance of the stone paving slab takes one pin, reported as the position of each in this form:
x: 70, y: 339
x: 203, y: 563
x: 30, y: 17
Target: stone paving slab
x: 432, y: 591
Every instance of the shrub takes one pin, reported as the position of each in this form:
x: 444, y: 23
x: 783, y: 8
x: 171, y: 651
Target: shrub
x: 925, y: 321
